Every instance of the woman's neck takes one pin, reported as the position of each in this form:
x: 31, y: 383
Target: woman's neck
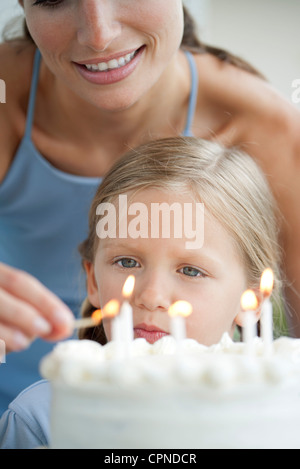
x: 160, y: 112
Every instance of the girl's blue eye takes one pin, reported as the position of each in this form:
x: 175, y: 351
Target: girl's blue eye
x: 127, y: 263
x: 192, y: 272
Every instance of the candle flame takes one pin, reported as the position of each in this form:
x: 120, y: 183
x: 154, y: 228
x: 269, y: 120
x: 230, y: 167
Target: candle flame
x: 111, y: 309
x: 97, y: 316
x: 267, y: 282
x: 180, y: 308
x: 249, y: 301
x: 128, y: 286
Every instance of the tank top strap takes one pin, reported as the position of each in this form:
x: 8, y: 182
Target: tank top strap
x: 32, y: 96
x: 193, y: 95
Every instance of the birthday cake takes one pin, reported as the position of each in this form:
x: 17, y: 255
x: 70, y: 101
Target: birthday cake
x: 170, y: 395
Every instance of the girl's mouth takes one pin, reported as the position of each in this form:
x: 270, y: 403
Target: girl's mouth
x: 112, y: 70
x: 149, y: 332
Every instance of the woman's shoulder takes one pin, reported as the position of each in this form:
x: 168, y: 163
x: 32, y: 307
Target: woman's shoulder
x: 247, y: 101
x: 234, y: 88
x: 224, y: 83
x: 16, y: 70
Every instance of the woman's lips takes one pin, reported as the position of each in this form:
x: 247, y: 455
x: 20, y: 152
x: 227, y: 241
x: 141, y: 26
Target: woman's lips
x: 110, y: 76
x: 108, y: 58
x: 149, y: 332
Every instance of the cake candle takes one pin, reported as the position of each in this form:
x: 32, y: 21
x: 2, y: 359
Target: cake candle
x: 266, y: 322
x: 126, y: 319
x: 178, y: 311
x: 249, y: 305
x: 111, y: 311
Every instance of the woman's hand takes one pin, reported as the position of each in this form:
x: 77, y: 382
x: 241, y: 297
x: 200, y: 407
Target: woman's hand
x: 29, y: 310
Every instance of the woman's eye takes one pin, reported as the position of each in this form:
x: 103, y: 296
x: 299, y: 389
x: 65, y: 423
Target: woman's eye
x: 48, y: 3
x: 192, y: 272
x: 127, y: 263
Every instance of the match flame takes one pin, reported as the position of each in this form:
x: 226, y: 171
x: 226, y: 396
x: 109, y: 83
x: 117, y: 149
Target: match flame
x: 97, y: 316
x: 180, y: 308
x: 249, y: 301
x: 128, y: 286
x: 267, y: 282
x: 111, y: 309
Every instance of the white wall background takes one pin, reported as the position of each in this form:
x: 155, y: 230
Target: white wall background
x: 264, y: 32
x: 8, y: 10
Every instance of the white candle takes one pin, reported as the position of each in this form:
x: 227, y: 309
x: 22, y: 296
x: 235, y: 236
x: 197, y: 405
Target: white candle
x: 178, y: 312
x: 249, y: 305
x: 266, y: 321
x: 249, y: 327
x: 126, y: 322
x: 111, y: 311
x: 116, y: 334
x: 126, y: 318
x: 178, y: 328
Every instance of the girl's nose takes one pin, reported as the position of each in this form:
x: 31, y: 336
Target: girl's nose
x: 152, y: 293
x: 98, y: 24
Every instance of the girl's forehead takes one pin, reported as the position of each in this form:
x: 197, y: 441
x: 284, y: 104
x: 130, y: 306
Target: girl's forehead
x: 173, y: 223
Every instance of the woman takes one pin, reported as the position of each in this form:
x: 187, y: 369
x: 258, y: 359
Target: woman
x: 107, y: 76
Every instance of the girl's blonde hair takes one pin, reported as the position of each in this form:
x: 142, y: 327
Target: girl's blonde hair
x: 228, y: 182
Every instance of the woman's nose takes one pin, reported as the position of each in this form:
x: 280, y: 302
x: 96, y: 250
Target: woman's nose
x: 152, y: 293
x: 98, y: 24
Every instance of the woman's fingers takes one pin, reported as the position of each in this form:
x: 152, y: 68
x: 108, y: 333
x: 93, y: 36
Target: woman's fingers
x: 30, y: 308
x: 19, y: 314
x: 12, y: 340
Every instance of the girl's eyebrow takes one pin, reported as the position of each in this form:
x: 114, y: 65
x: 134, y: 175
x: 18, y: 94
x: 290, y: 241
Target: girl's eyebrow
x: 106, y: 245
x: 200, y: 258
x: 186, y: 256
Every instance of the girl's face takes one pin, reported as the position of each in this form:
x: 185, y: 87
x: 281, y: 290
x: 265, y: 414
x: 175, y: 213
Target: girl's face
x: 128, y: 43
x: 212, y: 277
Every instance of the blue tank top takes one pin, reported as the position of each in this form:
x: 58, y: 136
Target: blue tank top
x: 43, y: 218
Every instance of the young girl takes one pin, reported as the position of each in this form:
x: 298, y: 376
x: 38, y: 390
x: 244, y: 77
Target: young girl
x: 238, y: 233
x: 238, y: 241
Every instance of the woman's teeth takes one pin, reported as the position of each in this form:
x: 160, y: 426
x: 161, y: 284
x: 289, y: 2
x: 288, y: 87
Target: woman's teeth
x: 112, y: 64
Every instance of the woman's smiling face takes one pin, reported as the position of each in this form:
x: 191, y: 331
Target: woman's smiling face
x: 128, y: 42
x: 212, y: 277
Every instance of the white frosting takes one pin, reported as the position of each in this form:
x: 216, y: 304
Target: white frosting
x: 165, y: 396
x: 79, y: 363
